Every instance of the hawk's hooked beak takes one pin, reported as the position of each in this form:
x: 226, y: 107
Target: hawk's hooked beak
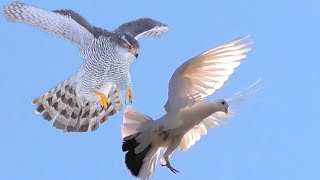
x: 136, y: 55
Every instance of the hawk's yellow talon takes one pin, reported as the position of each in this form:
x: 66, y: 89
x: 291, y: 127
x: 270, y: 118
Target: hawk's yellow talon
x: 103, y: 99
x: 129, y: 95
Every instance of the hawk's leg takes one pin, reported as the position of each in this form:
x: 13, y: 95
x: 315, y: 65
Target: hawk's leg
x: 128, y: 95
x: 103, y: 99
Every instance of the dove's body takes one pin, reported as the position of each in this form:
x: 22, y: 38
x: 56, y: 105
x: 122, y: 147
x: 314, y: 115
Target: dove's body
x: 188, y: 115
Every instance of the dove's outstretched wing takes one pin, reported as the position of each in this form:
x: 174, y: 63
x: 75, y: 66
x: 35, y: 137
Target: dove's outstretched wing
x: 204, y: 74
x: 144, y: 27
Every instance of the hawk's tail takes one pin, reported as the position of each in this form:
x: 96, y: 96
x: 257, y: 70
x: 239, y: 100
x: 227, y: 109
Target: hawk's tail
x: 62, y: 104
x: 142, y: 153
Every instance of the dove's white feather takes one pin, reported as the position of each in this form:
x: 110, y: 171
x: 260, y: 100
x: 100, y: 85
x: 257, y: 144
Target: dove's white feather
x: 188, y: 116
x: 204, y: 74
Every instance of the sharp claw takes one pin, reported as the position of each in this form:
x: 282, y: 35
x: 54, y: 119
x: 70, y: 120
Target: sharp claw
x: 106, y: 105
x: 173, y: 170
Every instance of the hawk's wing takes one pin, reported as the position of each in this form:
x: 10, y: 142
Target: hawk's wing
x: 204, y: 74
x: 63, y: 23
x: 143, y: 27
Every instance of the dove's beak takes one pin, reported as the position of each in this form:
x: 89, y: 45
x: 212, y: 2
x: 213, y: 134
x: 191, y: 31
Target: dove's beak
x: 226, y: 111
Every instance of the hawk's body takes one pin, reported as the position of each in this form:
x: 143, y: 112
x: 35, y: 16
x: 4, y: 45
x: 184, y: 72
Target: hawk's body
x: 107, y: 56
x: 104, y: 63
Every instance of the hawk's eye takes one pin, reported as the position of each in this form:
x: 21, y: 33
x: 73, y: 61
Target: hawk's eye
x: 129, y: 46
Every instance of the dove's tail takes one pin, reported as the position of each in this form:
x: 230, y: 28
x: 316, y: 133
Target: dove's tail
x: 138, y: 142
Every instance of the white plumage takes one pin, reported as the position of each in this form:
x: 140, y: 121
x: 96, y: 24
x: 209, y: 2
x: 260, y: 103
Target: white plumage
x: 204, y: 74
x: 188, y: 116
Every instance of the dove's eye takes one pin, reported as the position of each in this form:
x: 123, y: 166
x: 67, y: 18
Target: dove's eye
x: 223, y: 103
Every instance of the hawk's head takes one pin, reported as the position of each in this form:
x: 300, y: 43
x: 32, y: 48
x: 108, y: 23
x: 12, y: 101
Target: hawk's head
x: 129, y: 44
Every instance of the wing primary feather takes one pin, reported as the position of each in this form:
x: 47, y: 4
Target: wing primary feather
x: 205, y: 73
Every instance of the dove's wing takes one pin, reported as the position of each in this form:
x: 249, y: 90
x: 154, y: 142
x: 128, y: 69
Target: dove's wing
x: 64, y: 23
x: 144, y: 27
x: 194, y: 134
x: 204, y: 74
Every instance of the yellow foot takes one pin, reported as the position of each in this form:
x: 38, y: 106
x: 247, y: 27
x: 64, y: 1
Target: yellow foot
x: 103, y: 99
x: 128, y: 95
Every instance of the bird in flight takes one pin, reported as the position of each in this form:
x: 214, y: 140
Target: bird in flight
x: 188, y: 114
x: 89, y: 96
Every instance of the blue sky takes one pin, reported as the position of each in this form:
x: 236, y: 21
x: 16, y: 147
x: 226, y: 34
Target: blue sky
x: 276, y: 135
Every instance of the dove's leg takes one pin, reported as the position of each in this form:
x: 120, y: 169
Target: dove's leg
x: 129, y: 95
x: 164, y: 161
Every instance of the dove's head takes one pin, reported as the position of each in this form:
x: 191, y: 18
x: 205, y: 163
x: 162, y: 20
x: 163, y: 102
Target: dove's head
x: 128, y: 45
x: 222, y: 105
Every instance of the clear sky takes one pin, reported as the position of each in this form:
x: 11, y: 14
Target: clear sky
x: 275, y: 135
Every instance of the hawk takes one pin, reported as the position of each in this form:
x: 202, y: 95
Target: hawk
x: 89, y: 96
x: 188, y: 115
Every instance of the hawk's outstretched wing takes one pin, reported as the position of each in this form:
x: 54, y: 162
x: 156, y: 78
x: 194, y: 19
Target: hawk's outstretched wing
x: 204, y: 74
x: 63, y: 23
x: 144, y: 27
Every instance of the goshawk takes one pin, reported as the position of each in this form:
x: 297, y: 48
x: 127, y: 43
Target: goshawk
x: 89, y: 96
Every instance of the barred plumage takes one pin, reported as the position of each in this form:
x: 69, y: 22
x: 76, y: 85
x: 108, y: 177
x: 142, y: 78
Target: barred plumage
x: 62, y: 104
x: 107, y: 55
x: 105, y: 65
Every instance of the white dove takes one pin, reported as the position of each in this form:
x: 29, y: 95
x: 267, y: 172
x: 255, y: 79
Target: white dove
x: 187, y: 116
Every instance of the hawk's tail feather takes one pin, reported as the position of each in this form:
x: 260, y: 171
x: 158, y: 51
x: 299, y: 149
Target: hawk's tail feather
x: 62, y: 104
